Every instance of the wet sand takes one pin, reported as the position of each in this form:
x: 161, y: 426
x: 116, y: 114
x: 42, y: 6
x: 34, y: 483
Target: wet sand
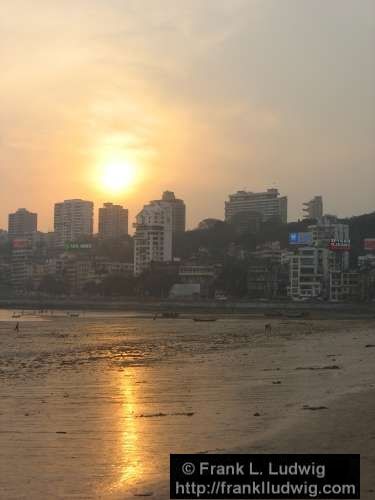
x: 92, y: 407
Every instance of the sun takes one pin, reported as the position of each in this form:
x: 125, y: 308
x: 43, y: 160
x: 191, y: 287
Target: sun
x: 117, y: 177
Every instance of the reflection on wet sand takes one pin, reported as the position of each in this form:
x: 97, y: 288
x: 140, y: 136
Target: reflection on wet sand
x: 130, y: 446
x: 126, y: 450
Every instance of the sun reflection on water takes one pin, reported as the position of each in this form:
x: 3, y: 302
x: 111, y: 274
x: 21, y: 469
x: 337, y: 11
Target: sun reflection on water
x: 129, y: 452
x: 132, y: 465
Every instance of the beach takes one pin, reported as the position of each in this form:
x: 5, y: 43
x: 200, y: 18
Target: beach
x: 92, y: 406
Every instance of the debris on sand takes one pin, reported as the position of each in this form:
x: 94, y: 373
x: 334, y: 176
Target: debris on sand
x: 151, y: 415
x: 155, y: 415
x: 370, y: 345
x: 330, y: 367
x: 256, y: 414
x: 276, y: 382
x: 314, y: 408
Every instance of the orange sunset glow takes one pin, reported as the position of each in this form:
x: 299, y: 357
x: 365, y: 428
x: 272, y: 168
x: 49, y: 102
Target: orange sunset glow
x: 118, y: 101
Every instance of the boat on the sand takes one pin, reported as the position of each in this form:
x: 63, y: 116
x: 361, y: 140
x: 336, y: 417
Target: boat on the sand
x: 167, y: 315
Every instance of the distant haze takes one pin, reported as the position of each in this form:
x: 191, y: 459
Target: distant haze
x: 204, y: 97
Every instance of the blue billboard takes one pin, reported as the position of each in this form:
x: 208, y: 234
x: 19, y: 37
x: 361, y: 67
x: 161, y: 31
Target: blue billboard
x: 300, y: 238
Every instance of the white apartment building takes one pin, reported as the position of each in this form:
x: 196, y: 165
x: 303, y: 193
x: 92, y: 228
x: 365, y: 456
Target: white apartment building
x: 118, y: 267
x: 153, y: 236
x: 343, y: 285
x: 366, y: 261
x: 328, y: 228
x: 73, y: 219
x: 269, y: 251
x: 268, y: 204
x: 178, y: 210
x: 309, y: 272
x: 322, y: 269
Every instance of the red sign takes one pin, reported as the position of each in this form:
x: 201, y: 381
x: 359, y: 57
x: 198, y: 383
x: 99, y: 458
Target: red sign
x: 369, y: 244
x: 339, y: 245
x: 19, y: 244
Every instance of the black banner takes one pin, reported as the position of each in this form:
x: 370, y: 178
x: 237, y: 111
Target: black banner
x: 265, y: 476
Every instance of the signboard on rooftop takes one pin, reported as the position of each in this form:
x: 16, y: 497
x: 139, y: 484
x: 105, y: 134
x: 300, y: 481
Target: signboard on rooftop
x: 19, y: 244
x: 339, y: 245
x: 369, y: 244
x: 300, y: 238
x: 71, y: 246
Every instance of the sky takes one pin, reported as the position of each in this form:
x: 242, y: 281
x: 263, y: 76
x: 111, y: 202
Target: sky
x: 199, y: 97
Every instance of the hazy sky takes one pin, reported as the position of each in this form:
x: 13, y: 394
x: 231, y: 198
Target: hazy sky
x: 203, y: 97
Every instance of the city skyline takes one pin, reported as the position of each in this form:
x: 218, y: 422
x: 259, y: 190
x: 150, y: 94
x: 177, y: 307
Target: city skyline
x: 270, y: 193
x: 221, y: 97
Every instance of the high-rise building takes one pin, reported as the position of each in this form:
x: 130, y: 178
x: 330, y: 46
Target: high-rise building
x: 178, y: 210
x: 73, y: 220
x: 268, y: 204
x: 113, y: 221
x: 22, y: 224
x: 313, y: 208
x: 21, y: 263
x: 153, y: 236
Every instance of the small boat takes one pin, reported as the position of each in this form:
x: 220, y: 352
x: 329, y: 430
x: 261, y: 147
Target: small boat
x: 204, y: 320
x: 16, y: 315
x: 73, y: 315
x: 297, y: 314
x: 167, y: 315
x: 170, y: 314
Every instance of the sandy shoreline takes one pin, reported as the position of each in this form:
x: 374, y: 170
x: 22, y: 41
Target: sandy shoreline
x: 226, y: 309
x: 91, y: 408
x: 347, y: 426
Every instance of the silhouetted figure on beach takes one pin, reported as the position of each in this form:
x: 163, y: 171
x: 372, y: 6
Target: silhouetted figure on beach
x: 268, y: 329
x: 17, y: 327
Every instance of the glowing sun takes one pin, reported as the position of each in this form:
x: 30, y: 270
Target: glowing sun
x: 117, y: 177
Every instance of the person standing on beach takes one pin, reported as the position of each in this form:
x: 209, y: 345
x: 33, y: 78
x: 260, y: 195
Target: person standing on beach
x: 17, y: 327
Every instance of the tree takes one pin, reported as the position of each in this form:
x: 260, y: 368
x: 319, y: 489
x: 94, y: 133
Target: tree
x: 52, y: 285
x: 157, y: 282
x: 117, y: 285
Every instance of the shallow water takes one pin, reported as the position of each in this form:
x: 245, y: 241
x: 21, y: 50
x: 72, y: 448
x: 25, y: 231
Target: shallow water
x: 91, y: 407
